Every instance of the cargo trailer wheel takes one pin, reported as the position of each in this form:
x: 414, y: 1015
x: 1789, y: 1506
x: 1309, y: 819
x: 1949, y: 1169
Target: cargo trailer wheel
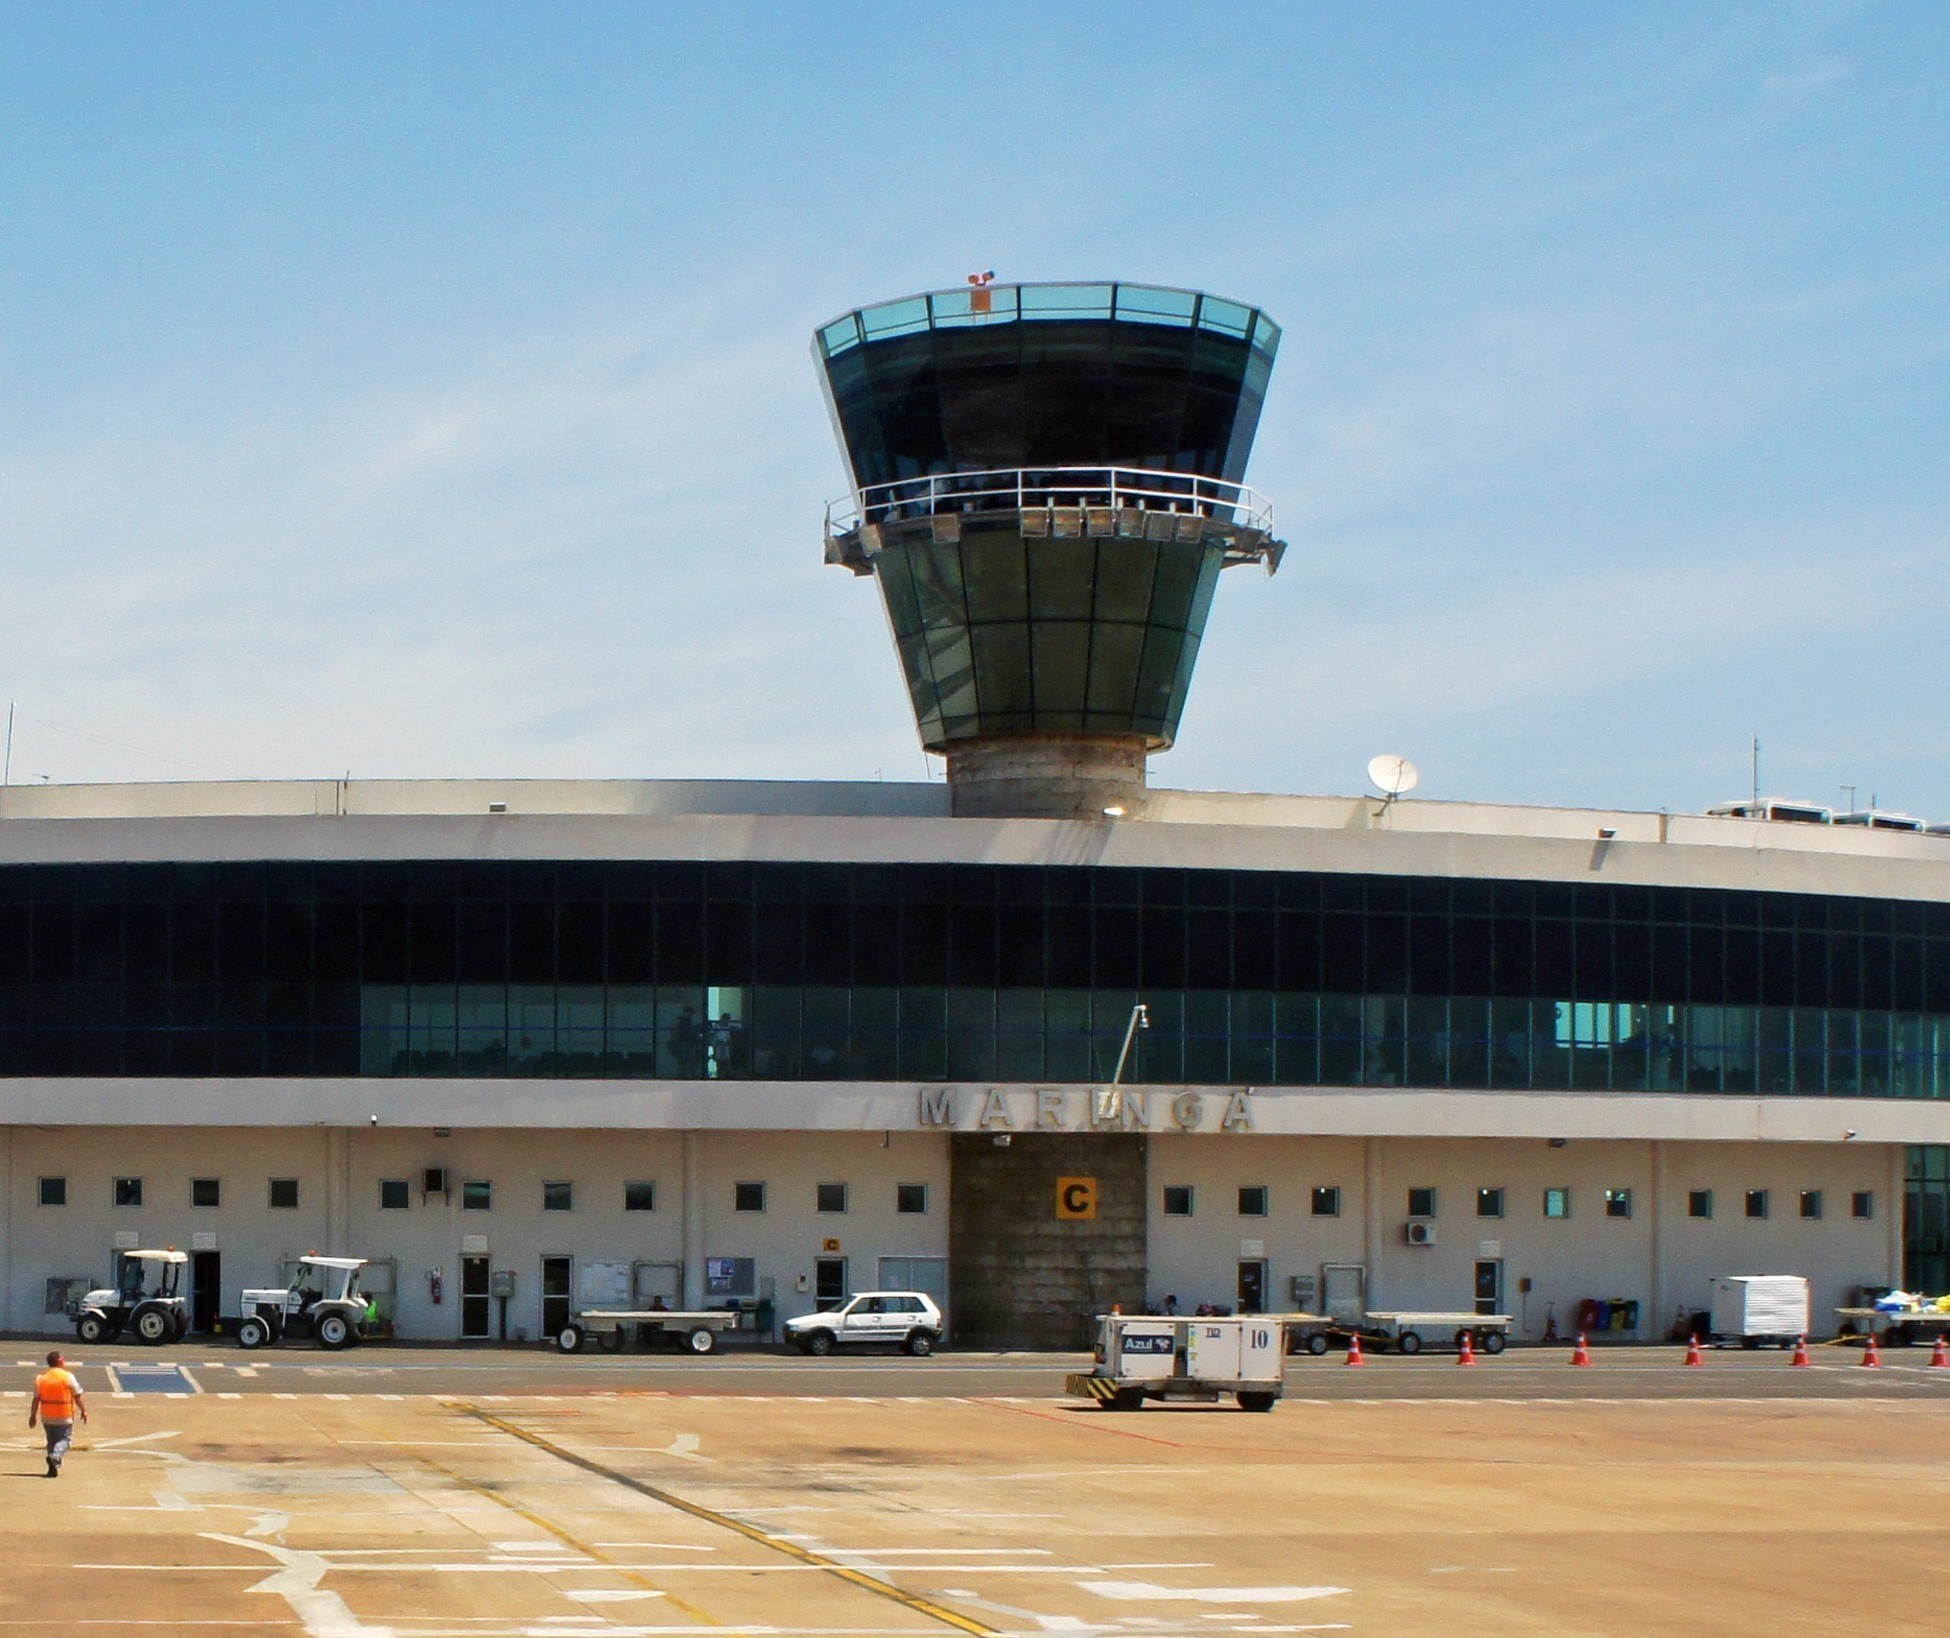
x: 1317, y: 1344
x: 701, y: 1339
x: 570, y: 1339
x: 920, y: 1344
x: 1410, y: 1342
x: 252, y: 1332
x: 1126, y: 1399
x: 94, y: 1328
x: 155, y: 1326
x: 1255, y: 1401
x: 1494, y: 1342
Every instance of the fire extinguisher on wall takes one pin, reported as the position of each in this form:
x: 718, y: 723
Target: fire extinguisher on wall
x: 433, y: 1286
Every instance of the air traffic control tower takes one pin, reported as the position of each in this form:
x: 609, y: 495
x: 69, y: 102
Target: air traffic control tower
x: 1046, y: 484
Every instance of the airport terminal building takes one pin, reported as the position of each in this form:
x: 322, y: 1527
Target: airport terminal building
x: 536, y: 1045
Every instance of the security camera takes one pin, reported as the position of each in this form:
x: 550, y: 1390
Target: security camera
x: 374, y: 1119
x: 1848, y: 1134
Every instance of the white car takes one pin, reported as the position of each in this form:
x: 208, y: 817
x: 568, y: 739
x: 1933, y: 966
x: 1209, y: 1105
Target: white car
x: 887, y: 1319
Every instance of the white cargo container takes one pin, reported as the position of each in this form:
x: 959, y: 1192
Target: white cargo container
x: 1143, y: 1356
x: 1754, y: 1308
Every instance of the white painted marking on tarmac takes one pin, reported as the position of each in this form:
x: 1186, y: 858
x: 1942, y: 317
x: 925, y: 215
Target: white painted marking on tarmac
x: 684, y: 1446
x: 609, y: 1595
x: 1471, y: 1569
x: 1148, y: 1592
x: 132, y: 1439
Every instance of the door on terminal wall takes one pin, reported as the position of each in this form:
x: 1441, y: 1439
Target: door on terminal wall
x: 558, y: 1280
x: 1252, y: 1285
x: 1344, y: 1292
x: 829, y: 1282
x: 1489, y: 1288
x: 474, y: 1297
x: 206, y: 1289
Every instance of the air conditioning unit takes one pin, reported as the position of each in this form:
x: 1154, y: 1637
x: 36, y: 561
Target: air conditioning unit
x: 1421, y: 1234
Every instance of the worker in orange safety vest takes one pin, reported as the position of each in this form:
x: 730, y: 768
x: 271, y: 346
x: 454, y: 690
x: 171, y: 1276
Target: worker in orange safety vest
x: 56, y: 1396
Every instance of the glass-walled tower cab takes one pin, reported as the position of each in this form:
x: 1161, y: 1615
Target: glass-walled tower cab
x: 1046, y: 484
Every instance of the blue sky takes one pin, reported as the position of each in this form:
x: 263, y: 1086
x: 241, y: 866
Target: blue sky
x: 425, y: 390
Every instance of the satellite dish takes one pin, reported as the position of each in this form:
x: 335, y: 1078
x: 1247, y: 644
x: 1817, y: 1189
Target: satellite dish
x: 1393, y: 776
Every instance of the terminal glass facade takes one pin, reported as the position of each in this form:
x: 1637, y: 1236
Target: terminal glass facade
x: 655, y: 969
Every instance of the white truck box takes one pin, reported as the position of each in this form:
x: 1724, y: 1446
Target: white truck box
x: 1760, y: 1305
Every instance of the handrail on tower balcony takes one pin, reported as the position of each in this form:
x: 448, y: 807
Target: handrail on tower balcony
x: 1018, y: 489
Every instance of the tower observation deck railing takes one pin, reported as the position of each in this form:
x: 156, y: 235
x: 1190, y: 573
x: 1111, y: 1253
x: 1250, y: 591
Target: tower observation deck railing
x: 1067, y: 489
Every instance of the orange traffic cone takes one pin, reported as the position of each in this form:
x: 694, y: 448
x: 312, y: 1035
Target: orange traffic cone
x: 1693, y: 1355
x: 1466, y: 1355
x: 1581, y: 1354
x: 1871, y: 1356
x: 1801, y: 1354
x: 1940, y: 1355
x: 1354, y: 1351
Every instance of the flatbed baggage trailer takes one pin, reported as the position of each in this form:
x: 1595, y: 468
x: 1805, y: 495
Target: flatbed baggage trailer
x: 1196, y: 1359
x: 1902, y: 1327
x: 696, y: 1330
x: 1409, y: 1329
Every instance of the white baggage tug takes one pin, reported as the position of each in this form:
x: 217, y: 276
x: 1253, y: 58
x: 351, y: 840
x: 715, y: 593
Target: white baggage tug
x: 1147, y: 1356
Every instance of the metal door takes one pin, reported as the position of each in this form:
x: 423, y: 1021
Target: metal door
x: 1252, y: 1285
x: 206, y: 1289
x: 1344, y: 1291
x: 474, y: 1297
x: 829, y: 1282
x: 558, y: 1281
x: 1489, y: 1287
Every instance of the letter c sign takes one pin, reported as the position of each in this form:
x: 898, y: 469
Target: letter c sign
x: 1076, y: 1199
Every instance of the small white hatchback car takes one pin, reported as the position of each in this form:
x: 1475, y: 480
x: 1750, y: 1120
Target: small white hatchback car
x: 887, y: 1319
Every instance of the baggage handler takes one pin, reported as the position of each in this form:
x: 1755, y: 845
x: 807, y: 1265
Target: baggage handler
x: 56, y: 1396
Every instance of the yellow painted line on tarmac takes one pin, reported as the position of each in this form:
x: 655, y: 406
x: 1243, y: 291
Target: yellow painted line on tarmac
x: 568, y: 1539
x: 751, y: 1532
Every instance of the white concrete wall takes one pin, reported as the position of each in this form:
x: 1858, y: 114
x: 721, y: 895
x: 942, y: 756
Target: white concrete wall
x: 1658, y: 1256
x: 340, y: 1173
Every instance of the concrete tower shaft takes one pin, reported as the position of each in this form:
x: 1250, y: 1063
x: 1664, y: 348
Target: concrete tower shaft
x: 1046, y: 486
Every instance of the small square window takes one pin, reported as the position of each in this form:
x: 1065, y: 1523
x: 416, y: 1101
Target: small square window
x: 558, y: 1197
x: 829, y: 1197
x: 1699, y: 1203
x: 1489, y: 1202
x: 393, y: 1195
x: 1618, y: 1202
x: 748, y: 1197
x: 1178, y: 1200
x: 1811, y: 1205
x: 1862, y: 1205
x: 284, y: 1194
x: 639, y: 1197
x: 1756, y: 1202
x: 1421, y: 1202
x: 206, y: 1191
x: 1557, y: 1202
x: 128, y: 1191
x: 54, y: 1191
x: 1327, y: 1202
x: 1252, y: 1200
x: 477, y: 1195
x: 911, y: 1199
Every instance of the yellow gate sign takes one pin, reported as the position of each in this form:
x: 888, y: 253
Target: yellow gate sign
x: 1076, y: 1199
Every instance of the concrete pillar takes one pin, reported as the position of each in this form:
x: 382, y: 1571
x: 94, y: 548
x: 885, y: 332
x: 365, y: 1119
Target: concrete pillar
x: 1655, y: 1285
x: 693, y: 1220
x: 338, y: 1190
x: 1371, y: 1230
x: 1893, y: 1215
x: 8, y: 1273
